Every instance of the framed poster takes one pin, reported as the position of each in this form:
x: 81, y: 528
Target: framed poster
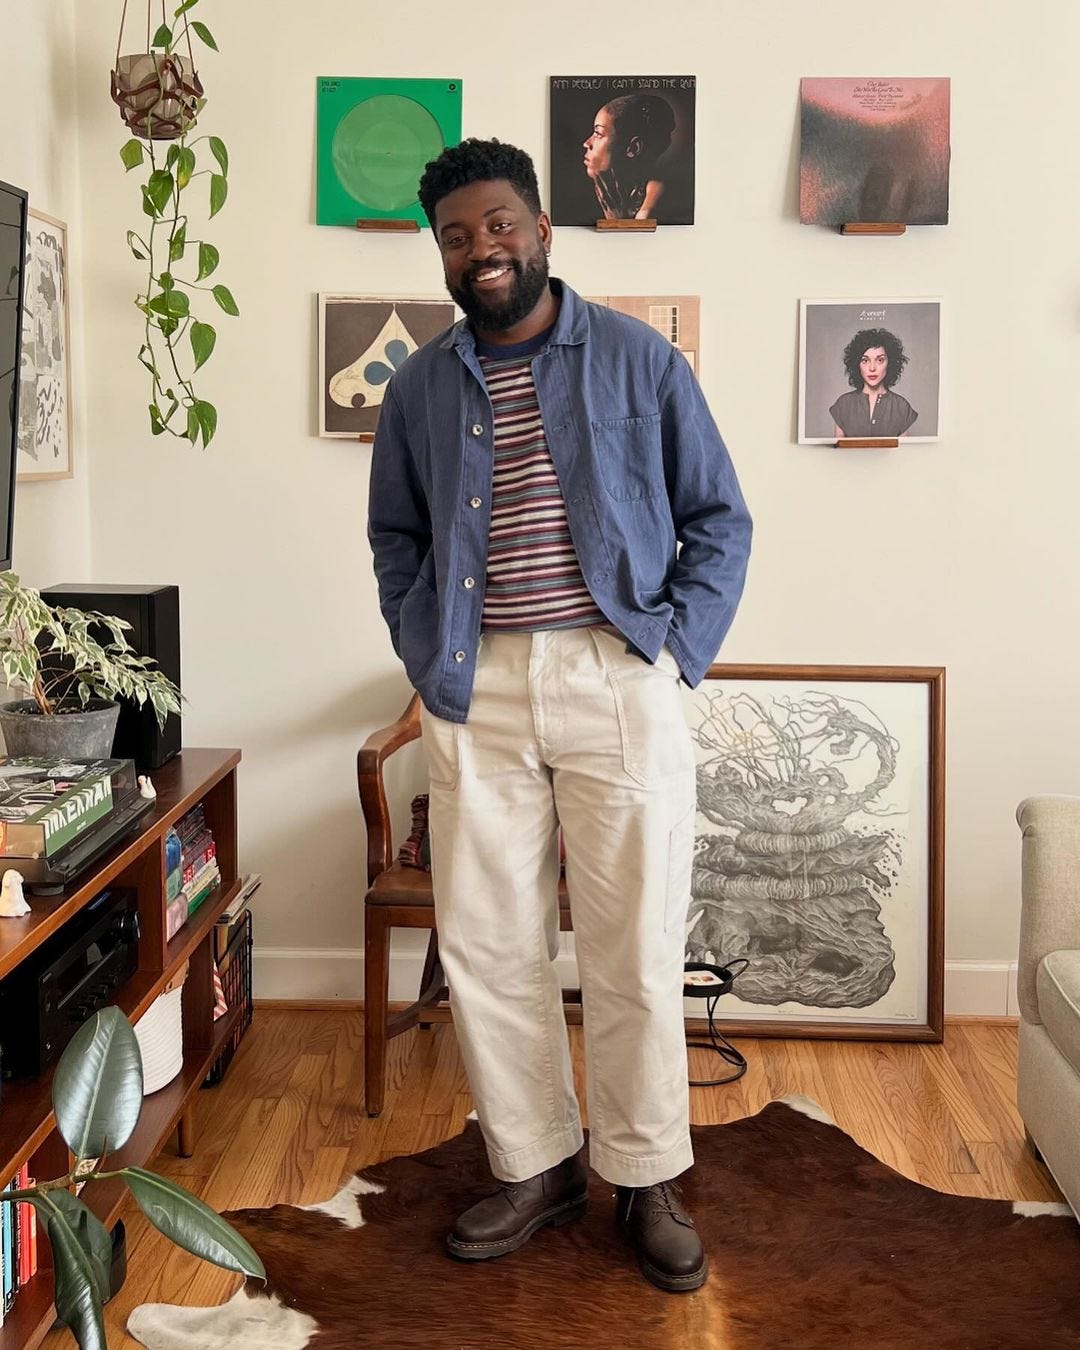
x: 874, y: 150
x: 819, y: 849
x: 622, y: 147
x: 677, y: 317
x: 869, y: 369
x: 45, y: 365
x: 374, y: 138
x: 362, y: 341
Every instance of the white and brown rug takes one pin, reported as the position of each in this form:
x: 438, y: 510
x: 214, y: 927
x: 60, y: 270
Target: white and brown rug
x: 814, y: 1245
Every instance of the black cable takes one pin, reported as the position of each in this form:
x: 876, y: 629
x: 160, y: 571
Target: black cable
x: 725, y: 977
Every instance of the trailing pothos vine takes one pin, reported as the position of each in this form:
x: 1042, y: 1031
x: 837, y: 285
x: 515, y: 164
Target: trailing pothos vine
x: 176, y: 343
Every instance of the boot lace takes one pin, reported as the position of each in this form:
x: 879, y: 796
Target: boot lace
x: 661, y: 1198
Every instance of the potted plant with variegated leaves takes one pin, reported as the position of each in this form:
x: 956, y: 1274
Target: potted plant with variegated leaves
x: 74, y: 675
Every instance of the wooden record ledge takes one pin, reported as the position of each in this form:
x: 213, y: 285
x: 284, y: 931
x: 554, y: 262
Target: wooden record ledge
x: 27, y: 1125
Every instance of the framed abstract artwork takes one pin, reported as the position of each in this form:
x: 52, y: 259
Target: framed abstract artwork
x: 374, y: 138
x: 676, y: 317
x: 870, y: 369
x: 819, y: 848
x: 45, y: 365
x: 362, y: 341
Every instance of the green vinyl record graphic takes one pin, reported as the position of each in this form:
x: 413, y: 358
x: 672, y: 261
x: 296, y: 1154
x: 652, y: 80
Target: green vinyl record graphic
x: 374, y: 139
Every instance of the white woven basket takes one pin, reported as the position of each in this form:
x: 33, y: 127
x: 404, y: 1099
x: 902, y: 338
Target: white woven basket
x: 160, y: 1034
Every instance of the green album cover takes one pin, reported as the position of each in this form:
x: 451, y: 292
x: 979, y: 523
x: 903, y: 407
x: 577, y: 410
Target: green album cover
x: 374, y: 138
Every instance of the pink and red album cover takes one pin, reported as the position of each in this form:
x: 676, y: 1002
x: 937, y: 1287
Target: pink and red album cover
x: 874, y: 150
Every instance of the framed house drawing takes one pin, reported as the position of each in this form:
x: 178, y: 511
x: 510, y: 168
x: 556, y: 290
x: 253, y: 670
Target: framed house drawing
x: 44, y: 445
x: 819, y: 848
x: 676, y: 317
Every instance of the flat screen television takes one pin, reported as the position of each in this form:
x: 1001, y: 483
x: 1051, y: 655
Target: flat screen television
x: 13, y: 208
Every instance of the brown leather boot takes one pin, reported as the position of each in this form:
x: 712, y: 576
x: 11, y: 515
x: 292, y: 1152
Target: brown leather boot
x: 669, y: 1250
x: 502, y: 1222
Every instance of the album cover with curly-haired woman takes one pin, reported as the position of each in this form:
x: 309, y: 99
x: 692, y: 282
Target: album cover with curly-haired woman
x: 869, y: 369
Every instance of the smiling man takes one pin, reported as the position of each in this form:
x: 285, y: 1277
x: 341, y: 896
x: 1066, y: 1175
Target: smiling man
x: 559, y: 539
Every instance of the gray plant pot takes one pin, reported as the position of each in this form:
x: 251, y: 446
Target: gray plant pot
x: 70, y: 735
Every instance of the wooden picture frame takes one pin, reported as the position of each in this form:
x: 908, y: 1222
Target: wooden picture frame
x: 45, y: 448
x: 820, y: 849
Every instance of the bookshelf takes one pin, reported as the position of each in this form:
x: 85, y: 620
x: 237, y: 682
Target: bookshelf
x: 27, y: 1126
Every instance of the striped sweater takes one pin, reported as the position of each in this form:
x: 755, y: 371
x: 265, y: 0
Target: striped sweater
x: 534, y: 578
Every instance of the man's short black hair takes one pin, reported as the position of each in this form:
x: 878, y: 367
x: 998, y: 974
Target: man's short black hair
x: 862, y: 342
x: 476, y: 161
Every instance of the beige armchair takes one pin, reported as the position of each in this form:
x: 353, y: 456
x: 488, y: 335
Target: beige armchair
x: 1048, y: 986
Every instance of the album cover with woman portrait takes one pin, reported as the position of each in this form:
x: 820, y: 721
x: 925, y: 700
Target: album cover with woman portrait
x: 869, y: 369
x: 874, y: 150
x: 622, y: 148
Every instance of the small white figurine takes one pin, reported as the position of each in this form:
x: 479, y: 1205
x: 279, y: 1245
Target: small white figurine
x: 12, y: 901
x: 146, y: 788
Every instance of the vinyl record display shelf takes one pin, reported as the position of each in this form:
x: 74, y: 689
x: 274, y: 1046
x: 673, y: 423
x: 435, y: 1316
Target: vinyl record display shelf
x: 27, y: 1126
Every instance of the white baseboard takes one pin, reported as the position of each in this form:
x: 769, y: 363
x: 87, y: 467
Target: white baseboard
x: 972, y: 988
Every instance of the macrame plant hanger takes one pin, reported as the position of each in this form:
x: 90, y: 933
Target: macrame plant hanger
x: 159, y: 93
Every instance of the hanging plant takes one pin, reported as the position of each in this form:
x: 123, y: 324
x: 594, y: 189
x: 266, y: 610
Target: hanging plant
x: 160, y: 98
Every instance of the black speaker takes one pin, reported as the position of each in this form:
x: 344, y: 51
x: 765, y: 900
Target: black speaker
x: 154, y: 615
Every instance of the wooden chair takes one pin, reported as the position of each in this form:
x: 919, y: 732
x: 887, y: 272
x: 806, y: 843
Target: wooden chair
x: 401, y: 897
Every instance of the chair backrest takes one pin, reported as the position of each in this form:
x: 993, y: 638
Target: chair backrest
x: 370, y: 759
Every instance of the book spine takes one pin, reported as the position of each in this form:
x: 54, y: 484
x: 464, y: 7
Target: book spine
x: 196, y: 865
x: 32, y: 1181
x: 206, y: 888
x: 197, y: 842
x: 191, y: 824
x: 207, y: 873
x: 175, y: 916
x: 9, y: 1251
x: 25, y: 1210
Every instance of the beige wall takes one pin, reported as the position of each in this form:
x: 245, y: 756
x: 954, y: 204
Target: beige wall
x: 960, y: 553
x: 39, y: 151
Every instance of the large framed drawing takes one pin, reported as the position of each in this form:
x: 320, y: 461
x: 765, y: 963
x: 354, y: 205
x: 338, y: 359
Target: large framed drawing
x: 45, y: 366
x: 362, y: 341
x: 819, y: 853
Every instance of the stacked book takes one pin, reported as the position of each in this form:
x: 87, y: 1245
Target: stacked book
x: 18, y: 1243
x: 195, y: 874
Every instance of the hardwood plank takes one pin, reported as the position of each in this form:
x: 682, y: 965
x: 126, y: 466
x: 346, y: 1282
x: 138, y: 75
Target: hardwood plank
x: 980, y: 1063
x: 861, y: 1108
x: 448, y: 1075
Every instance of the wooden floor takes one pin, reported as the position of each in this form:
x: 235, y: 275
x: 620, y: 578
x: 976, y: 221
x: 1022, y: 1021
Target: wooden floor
x: 288, y: 1124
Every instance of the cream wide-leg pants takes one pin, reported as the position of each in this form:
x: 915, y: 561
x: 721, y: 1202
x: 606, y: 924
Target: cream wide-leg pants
x: 568, y: 728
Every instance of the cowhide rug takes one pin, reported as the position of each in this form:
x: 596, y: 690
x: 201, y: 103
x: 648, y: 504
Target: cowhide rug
x: 813, y: 1243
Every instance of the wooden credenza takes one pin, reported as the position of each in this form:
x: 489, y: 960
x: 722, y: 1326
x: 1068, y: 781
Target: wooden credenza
x: 27, y: 1126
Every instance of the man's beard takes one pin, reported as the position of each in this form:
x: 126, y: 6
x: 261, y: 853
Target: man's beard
x: 497, y: 315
